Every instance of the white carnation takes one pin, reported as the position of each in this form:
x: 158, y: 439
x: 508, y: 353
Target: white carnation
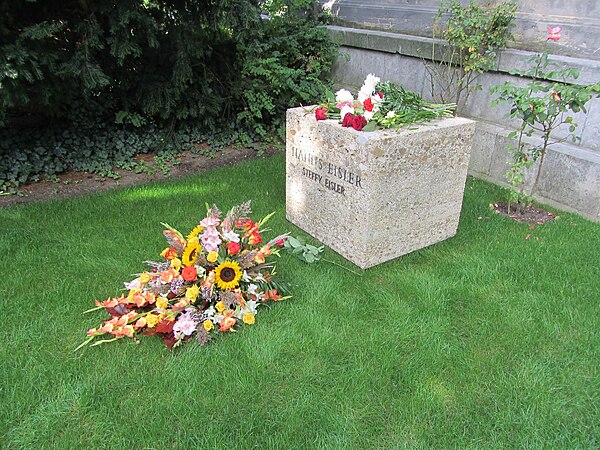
x: 344, y: 96
x: 368, y: 115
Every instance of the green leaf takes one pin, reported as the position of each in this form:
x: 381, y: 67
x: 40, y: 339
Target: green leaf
x: 371, y: 126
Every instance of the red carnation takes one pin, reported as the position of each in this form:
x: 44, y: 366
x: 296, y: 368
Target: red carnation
x: 347, y: 122
x: 233, y: 248
x: 189, y: 273
x: 368, y: 104
x: 321, y: 114
x: 358, y: 122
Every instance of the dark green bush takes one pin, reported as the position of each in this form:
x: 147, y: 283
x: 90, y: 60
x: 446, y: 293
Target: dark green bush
x: 87, y: 85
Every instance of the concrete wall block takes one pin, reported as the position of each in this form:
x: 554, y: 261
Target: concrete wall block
x: 392, y: 67
x: 590, y: 128
x: 572, y: 181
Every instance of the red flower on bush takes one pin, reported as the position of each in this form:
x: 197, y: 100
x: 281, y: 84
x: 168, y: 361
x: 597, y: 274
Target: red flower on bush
x: 321, y: 114
x: 554, y: 34
x: 358, y: 122
x: 233, y: 248
x: 368, y: 104
x: 347, y: 122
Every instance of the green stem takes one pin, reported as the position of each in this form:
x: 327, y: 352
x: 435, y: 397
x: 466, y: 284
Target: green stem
x: 339, y: 265
x: 542, y: 155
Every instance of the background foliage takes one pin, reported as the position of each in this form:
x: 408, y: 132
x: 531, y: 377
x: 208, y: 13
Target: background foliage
x: 89, y: 84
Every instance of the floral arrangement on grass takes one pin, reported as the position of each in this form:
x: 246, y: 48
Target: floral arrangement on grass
x: 209, y: 282
x: 386, y: 105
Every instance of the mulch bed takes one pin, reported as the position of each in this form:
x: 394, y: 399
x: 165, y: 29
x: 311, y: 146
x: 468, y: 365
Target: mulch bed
x: 74, y: 184
x: 524, y: 213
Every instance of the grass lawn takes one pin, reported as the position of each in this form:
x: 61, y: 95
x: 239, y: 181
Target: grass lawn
x: 485, y: 340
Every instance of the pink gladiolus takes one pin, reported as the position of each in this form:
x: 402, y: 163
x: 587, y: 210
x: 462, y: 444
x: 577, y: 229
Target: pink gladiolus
x: 554, y: 33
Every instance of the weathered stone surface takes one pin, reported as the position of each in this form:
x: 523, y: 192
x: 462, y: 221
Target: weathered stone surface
x: 373, y: 197
x: 579, y: 21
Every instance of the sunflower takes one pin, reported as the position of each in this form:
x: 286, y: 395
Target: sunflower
x: 228, y: 274
x: 190, y: 254
x: 195, y: 232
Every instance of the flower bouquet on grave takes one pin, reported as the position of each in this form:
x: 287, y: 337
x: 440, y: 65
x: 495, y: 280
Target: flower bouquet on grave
x: 386, y: 105
x: 208, y: 283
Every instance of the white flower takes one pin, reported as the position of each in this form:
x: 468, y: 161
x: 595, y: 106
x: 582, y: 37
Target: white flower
x: 376, y: 100
x: 133, y: 284
x: 253, y: 290
x: 251, y: 306
x: 368, y: 115
x: 368, y: 87
x: 231, y: 236
x: 390, y: 114
x: 217, y: 319
x: 259, y: 277
x: 345, y: 110
x: 246, y: 277
x: 363, y: 95
x: 209, y: 313
x: 344, y: 96
x: 370, y: 83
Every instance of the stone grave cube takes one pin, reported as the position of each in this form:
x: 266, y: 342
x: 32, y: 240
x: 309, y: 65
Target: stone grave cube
x: 375, y: 196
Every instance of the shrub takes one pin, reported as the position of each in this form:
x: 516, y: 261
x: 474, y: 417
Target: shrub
x: 86, y: 85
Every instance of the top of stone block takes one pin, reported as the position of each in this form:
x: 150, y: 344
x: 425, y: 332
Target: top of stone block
x: 383, y: 133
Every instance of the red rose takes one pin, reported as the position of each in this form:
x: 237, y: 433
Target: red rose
x: 368, y: 104
x: 189, y: 273
x: 347, y: 122
x: 358, y: 122
x: 233, y: 248
x: 321, y: 114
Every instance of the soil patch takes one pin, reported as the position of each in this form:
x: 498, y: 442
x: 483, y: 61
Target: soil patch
x: 74, y: 184
x: 525, y: 214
